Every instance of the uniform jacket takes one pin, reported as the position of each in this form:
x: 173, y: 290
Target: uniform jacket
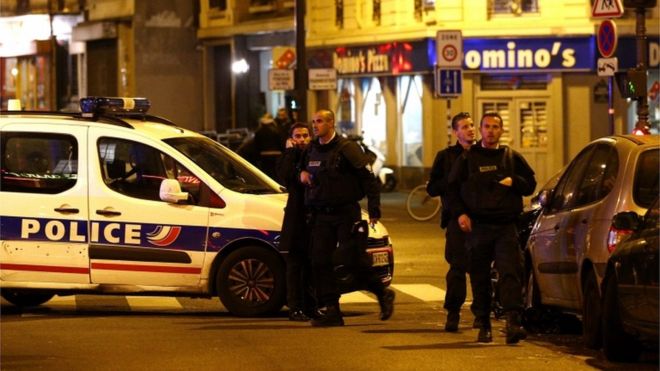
x: 340, y: 176
x: 439, y: 178
x: 474, y: 187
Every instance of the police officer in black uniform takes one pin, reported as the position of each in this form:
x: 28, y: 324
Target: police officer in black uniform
x: 455, y: 251
x: 336, y: 177
x: 486, y: 186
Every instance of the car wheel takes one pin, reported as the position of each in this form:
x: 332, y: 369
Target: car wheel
x: 26, y: 299
x: 251, y: 282
x: 591, y: 313
x: 534, y: 314
x: 618, y: 346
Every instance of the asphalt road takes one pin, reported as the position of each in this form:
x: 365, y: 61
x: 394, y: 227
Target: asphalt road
x: 146, y: 333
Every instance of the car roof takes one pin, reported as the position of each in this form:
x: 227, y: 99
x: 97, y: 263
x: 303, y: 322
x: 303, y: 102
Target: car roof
x: 639, y: 140
x: 149, y: 125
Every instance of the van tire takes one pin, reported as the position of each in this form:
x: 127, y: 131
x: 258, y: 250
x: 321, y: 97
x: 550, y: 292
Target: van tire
x: 26, y: 298
x: 591, y: 313
x: 251, y: 282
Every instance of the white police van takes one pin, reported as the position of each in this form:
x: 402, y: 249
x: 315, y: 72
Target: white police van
x: 115, y: 201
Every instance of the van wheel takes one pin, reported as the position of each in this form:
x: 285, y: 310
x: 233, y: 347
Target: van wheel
x: 26, y: 298
x: 591, y: 312
x: 618, y: 346
x: 251, y: 282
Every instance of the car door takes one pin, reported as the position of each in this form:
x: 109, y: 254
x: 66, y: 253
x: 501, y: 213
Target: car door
x: 136, y: 238
x: 554, y: 237
x: 43, y: 198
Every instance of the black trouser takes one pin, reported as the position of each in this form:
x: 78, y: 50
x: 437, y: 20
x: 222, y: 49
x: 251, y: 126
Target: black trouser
x: 328, y: 228
x: 297, y: 275
x: 457, y: 257
x: 499, y: 242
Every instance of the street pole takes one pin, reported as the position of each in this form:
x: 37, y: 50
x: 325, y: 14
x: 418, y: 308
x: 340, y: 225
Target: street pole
x: 301, y: 61
x: 642, y: 57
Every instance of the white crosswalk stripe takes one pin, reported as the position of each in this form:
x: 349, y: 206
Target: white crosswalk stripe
x: 407, y: 293
x: 153, y: 303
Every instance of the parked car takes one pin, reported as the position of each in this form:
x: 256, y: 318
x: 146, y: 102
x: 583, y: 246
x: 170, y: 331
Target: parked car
x: 567, y: 247
x: 630, y: 287
x: 112, y: 200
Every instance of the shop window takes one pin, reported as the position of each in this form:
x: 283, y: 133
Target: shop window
x: 346, y: 107
x: 515, y: 7
x: 218, y: 5
x: 38, y: 163
x: 339, y: 13
x: 374, y: 129
x: 410, y: 100
x: 533, y: 124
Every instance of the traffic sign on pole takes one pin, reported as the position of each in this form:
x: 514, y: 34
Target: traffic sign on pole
x: 449, y: 48
x: 606, y: 40
x: 448, y: 82
x: 607, y: 9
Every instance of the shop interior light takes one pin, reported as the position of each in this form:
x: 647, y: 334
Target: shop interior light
x: 114, y: 105
x: 240, y: 66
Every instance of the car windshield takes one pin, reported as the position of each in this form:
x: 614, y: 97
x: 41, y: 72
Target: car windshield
x: 229, y: 169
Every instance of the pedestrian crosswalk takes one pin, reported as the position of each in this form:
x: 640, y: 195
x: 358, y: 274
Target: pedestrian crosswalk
x: 405, y: 293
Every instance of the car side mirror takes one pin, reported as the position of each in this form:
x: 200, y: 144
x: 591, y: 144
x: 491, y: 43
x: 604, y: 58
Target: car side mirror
x: 544, y: 197
x: 170, y: 191
x: 629, y: 220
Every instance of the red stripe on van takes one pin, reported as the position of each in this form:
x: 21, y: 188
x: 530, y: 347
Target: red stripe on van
x: 145, y: 268
x: 43, y: 268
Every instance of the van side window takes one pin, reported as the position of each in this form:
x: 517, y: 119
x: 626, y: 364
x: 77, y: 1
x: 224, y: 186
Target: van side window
x: 136, y: 170
x: 38, y: 163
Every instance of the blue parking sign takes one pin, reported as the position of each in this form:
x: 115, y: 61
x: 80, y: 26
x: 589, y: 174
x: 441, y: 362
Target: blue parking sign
x: 449, y: 82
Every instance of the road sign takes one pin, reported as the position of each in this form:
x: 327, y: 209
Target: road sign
x: 607, y: 66
x: 449, y: 48
x: 322, y: 79
x: 606, y: 39
x: 448, y: 82
x: 279, y: 79
x: 607, y: 9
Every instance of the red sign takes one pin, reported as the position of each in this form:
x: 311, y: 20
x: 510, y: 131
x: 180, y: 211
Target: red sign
x: 606, y: 38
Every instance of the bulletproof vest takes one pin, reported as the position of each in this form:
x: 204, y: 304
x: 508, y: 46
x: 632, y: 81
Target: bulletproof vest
x: 334, y: 179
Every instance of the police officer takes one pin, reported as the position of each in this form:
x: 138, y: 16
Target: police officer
x: 336, y: 177
x: 486, y: 186
x: 455, y: 252
x: 295, y: 234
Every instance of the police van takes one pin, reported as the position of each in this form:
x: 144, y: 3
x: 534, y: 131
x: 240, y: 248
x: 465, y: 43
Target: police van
x: 112, y: 200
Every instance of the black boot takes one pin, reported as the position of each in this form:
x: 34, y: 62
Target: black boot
x: 485, y: 331
x: 514, y: 330
x: 386, y: 302
x: 453, y: 317
x: 330, y: 317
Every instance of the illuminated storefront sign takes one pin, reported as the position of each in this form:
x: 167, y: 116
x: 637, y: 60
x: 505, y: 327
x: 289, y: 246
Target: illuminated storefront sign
x: 382, y: 59
x: 533, y: 54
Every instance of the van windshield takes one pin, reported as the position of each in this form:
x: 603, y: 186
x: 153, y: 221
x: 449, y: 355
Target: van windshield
x: 225, y: 166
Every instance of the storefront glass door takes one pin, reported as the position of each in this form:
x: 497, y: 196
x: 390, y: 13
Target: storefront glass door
x: 410, y: 102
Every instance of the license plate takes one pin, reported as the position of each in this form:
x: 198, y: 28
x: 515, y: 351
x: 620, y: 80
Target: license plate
x: 380, y: 258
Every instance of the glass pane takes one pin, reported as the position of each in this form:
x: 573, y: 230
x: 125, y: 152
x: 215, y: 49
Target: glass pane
x: 410, y: 89
x: 346, y: 107
x: 374, y: 117
x: 533, y: 124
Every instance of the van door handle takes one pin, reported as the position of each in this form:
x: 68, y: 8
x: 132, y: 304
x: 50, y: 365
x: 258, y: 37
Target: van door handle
x: 67, y: 210
x: 108, y: 212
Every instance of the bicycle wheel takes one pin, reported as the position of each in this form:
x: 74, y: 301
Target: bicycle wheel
x: 420, y: 205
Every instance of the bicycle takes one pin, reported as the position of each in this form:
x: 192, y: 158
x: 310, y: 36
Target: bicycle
x: 421, y: 206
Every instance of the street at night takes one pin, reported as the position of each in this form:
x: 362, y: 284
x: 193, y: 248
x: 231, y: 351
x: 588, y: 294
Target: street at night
x: 117, y: 332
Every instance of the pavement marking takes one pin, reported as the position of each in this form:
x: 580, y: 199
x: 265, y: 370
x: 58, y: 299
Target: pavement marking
x: 422, y: 291
x: 68, y: 301
x: 153, y: 303
x: 357, y: 297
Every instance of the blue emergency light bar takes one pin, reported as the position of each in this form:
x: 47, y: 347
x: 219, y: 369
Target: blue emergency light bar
x: 114, y: 105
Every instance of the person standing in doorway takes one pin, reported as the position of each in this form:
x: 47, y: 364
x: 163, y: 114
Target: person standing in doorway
x: 295, y: 233
x: 336, y: 176
x: 486, y: 186
x: 268, y: 145
x: 455, y: 251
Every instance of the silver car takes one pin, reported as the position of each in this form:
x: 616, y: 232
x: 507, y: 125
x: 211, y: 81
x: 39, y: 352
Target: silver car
x: 568, y: 246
